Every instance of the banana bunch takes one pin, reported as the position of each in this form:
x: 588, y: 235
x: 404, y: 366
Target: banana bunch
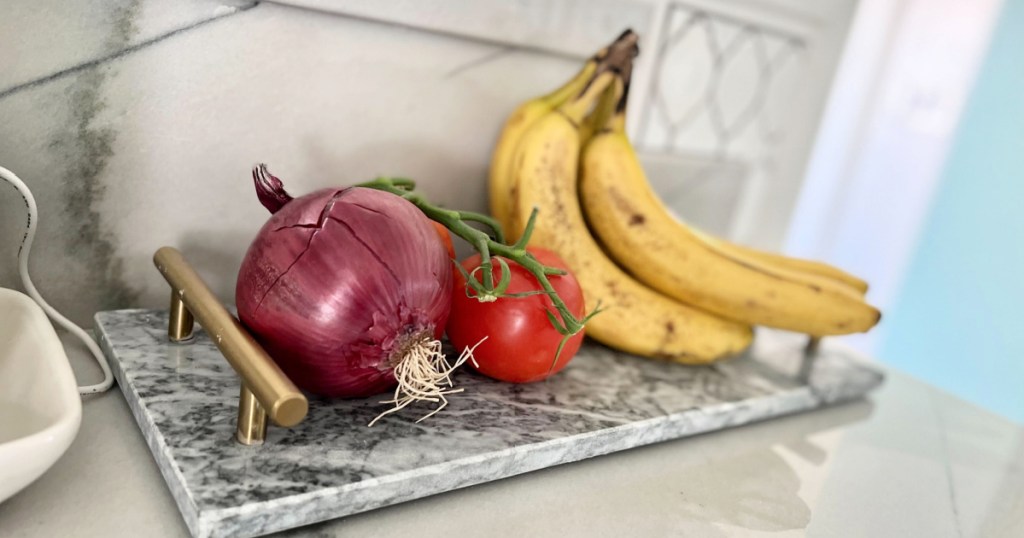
x: 667, y: 290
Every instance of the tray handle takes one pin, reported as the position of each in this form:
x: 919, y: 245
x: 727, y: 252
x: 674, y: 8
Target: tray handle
x: 266, y: 391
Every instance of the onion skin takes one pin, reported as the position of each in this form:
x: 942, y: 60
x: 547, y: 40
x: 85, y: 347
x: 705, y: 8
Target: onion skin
x: 337, y: 282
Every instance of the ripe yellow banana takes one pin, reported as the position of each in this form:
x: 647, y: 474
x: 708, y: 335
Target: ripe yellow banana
x: 501, y: 178
x: 635, y: 318
x: 603, y: 110
x: 667, y: 255
x: 795, y: 264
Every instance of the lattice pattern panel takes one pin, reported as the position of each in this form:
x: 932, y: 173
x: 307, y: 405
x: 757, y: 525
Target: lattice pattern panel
x: 721, y: 86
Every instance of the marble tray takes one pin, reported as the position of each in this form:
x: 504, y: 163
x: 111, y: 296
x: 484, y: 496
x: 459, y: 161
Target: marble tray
x: 184, y: 399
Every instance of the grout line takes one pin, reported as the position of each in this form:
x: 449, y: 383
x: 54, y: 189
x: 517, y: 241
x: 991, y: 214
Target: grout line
x: 503, y: 43
x: 123, y: 52
x: 477, y: 62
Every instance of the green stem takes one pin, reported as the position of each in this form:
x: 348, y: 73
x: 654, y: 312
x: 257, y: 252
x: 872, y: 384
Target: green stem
x: 488, y: 247
x: 486, y: 220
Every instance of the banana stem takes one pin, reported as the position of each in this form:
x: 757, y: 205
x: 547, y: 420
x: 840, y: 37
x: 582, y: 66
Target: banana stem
x: 575, y: 110
x: 456, y: 221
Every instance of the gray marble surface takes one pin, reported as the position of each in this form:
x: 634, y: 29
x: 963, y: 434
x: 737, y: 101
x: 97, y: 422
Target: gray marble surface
x: 332, y: 465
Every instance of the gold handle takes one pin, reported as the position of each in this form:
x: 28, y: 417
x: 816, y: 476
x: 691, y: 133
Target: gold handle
x: 272, y: 389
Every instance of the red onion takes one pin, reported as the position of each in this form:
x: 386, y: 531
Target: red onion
x: 343, y: 286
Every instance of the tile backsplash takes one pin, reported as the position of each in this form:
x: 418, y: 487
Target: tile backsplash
x: 43, y: 38
x: 155, y: 147
x: 136, y: 124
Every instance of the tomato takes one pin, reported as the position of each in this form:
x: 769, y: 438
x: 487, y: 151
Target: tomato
x: 521, y: 342
x: 446, y: 238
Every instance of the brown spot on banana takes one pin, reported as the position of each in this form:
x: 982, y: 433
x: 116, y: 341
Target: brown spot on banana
x: 636, y: 218
x: 622, y: 203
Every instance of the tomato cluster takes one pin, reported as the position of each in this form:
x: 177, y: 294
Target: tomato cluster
x: 521, y: 342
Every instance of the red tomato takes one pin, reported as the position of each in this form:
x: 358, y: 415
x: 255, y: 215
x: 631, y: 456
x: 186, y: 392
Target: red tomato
x: 521, y: 342
x: 445, y: 236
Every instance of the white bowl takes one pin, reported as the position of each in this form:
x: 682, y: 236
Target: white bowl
x: 40, y: 408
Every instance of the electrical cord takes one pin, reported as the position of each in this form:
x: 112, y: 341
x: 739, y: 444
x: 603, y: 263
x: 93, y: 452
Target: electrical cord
x: 23, y: 252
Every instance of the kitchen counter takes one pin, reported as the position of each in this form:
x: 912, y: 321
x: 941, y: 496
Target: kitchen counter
x: 910, y: 460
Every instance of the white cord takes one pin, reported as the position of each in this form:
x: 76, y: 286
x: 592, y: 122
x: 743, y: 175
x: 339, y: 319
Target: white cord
x: 23, y: 251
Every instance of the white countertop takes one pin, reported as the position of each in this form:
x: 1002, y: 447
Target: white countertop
x: 909, y: 461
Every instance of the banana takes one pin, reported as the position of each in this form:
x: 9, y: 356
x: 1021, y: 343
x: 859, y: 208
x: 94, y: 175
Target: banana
x: 501, y: 179
x: 601, y: 113
x: 794, y: 264
x: 641, y: 234
x: 635, y: 318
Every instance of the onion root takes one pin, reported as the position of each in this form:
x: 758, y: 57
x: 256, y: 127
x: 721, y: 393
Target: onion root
x: 424, y: 375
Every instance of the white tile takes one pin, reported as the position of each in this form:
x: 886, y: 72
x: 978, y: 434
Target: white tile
x: 41, y: 37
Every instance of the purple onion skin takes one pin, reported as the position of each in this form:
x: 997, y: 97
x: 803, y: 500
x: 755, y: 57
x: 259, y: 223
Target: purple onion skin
x: 336, y: 281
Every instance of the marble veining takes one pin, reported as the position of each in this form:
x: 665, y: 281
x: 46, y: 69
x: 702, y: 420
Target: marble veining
x: 184, y: 399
